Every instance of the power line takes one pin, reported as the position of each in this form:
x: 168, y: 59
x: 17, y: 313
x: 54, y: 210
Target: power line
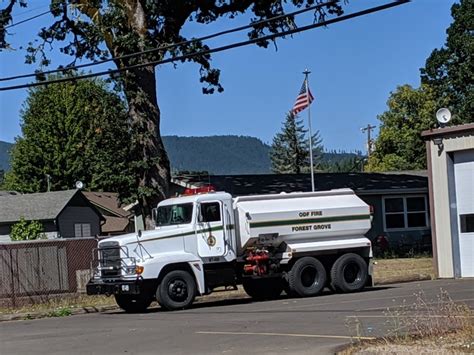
x: 27, y: 19
x: 214, y: 50
x: 31, y: 10
x: 169, y: 46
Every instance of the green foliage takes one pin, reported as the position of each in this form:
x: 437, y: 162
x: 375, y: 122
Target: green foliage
x: 399, y: 145
x: 24, y: 230
x: 349, y: 164
x: 290, y: 148
x: 450, y: 69
x: 447, y: 81
x: 60, y: 312
x: 72, y: 132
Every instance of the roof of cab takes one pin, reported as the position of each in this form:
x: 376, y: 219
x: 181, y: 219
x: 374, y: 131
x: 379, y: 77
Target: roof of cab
x: 209, y: 196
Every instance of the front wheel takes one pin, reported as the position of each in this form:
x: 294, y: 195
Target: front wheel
x: 349, y: 273
x: 177, y: 290
x: 133, y: 303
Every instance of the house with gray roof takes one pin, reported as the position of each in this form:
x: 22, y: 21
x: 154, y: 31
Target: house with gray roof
x: 63, y: 214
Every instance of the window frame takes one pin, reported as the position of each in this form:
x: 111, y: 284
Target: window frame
x: 82, y: 230
x: 405, y: 213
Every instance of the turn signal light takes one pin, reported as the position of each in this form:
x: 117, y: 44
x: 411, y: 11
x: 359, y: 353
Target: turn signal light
x: 139, y: 270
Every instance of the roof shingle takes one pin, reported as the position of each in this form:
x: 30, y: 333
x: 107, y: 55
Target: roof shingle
x: 36, y: 206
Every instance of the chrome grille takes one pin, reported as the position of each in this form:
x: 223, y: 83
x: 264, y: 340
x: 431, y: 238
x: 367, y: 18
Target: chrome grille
x: 110, y: 261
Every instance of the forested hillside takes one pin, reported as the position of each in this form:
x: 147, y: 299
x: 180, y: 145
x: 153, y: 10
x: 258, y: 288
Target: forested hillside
x: 5, y: 155
x: 219, y: 155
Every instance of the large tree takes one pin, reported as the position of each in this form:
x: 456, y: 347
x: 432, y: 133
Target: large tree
x: 399, y: 145
x: 290, y: 148
x: 95, y: 29
x: 447, y: 81
x: 450, y: 69
x: 72, y: 132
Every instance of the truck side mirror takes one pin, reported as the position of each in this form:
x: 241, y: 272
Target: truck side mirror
x: 198, y: 213
x: 154, y: 215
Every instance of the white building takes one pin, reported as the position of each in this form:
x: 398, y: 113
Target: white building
x: 450, y: 154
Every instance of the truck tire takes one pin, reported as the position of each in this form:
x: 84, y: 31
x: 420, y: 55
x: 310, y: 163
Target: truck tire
x: 177, y: 290
x: 349, y: 273
x: 307, y: 277
x: 133, y: 303
x: 263, y: 289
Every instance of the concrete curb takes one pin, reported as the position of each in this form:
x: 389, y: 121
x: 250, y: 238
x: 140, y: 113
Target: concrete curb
x: 402, y: 279
x: 211, y: 298
x: 54, y: 313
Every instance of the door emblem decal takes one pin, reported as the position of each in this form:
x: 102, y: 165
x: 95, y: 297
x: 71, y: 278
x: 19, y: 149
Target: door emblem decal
x: 211, y: 240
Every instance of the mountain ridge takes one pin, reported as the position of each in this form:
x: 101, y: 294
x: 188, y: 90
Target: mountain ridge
x: 218, y: 155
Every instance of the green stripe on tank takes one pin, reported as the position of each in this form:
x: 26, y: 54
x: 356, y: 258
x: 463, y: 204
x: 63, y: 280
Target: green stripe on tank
x: 307, y: 221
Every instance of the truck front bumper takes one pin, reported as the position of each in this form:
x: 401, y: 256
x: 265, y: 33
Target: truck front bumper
x: 116, y: 287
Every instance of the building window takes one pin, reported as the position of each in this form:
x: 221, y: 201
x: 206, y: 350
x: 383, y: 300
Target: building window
x: 82, y: 230
x: 405, y: 212
x: 467, y: 223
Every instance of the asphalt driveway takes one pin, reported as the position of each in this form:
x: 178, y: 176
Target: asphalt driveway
x: 285, y: 326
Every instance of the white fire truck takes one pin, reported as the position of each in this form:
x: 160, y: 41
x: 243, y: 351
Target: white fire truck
x: 297, y: 242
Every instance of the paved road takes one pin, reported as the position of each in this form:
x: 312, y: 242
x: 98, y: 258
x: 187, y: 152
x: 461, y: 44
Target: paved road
x: 305, y: 326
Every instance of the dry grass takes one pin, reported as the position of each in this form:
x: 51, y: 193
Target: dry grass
x: 452, y: 343
x: 393, y: 270
x: 440, y: 326
x: 62, y: 304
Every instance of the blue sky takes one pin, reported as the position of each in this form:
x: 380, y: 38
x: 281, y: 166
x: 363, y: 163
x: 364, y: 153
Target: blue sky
x: 355, y: 65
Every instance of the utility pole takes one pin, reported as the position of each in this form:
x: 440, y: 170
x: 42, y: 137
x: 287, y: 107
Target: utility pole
x: 368, y: 129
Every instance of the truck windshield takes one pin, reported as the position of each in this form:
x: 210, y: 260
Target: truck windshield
x: 174, y: 214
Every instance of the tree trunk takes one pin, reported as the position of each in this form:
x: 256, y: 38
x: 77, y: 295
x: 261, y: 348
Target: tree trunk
x: 149, y: 158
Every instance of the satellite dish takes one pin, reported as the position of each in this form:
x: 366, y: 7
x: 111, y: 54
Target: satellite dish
x: 443, y: 115
x: 79, y: 185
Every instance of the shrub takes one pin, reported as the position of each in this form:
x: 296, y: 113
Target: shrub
x: 24, y: 230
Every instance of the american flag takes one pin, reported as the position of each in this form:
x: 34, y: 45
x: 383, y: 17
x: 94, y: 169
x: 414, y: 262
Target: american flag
x: 303, y: 100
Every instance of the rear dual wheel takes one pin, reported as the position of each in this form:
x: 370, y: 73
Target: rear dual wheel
x: 349, y: 273
x: 306, y: 278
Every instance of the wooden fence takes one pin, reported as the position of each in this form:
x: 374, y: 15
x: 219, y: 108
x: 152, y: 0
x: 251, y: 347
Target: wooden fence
x: 37, y: 271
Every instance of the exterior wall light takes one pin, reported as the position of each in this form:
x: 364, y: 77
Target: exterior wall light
x: 439, y: 142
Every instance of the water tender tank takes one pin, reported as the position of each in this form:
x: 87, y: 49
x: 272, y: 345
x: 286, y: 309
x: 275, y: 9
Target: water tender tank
x: 300, y: 216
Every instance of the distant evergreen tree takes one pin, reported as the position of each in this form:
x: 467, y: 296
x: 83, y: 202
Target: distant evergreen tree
x: 289, y: 153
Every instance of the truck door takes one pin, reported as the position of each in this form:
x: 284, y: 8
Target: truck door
x: 210, y: 230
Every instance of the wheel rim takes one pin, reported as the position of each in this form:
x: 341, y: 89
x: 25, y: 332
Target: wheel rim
x: 178, y: 290
x: 352, y: 273
x: 309, y: 276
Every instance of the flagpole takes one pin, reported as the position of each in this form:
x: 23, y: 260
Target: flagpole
x: 306, y: 73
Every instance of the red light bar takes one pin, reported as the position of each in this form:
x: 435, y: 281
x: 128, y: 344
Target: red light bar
x: 199, y: 190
